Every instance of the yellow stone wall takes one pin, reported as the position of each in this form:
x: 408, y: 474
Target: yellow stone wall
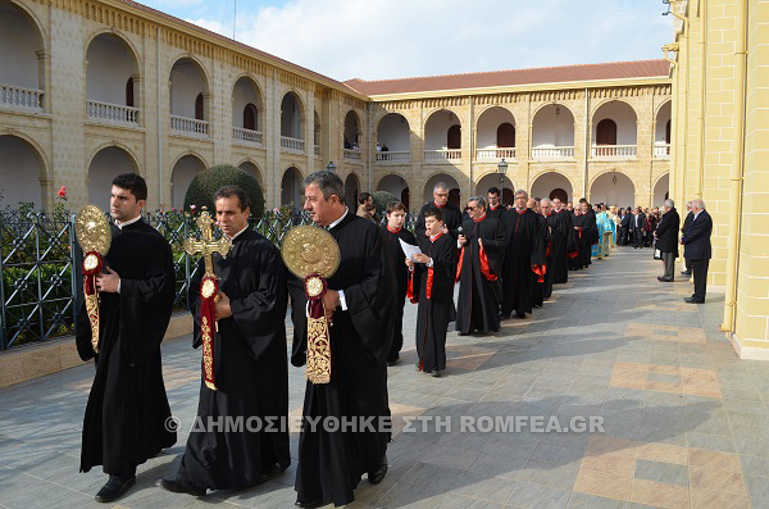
x: 720, y: 144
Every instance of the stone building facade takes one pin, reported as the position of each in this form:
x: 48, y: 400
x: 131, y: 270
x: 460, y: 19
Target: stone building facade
x: 720, y: 56
x: 97, y: 87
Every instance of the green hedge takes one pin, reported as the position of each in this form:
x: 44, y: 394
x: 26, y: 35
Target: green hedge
x: 204, y: 185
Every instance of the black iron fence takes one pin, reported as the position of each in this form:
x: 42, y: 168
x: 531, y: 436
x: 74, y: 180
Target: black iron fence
x: 39, y: 281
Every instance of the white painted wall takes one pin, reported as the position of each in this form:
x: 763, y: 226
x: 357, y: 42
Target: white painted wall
x: 291, y: 188
x: 291, y: 117
x: 552, y: 129
x: 244, y: 93
x: 18, y: 44
x: 437, y: 127
x: 662, y: 119
x: 487, y: 126
x: 625, y: 118
x: 109, y: 66
x: 186, y: 83
x: 184, y: 171
x: 105, y: 166
x: 352, y: 128
x: 550, y: 181
x: 660, y: 189
x: 394, y: 132
x: 621, y: 194
x: 19, y: 173
x: 427, y: 193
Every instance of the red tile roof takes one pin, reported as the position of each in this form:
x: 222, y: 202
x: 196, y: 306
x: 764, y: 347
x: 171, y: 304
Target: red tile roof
x: 589, y: 72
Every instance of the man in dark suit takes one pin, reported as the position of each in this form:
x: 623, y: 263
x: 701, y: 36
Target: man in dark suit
x: 687, y: 223
x: 624, y: 227
x: 637, y: 225
x: 667, y: 240
x: 696, y: 241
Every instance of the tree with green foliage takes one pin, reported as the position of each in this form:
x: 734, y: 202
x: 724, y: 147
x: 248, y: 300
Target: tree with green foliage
x: 204, y: 185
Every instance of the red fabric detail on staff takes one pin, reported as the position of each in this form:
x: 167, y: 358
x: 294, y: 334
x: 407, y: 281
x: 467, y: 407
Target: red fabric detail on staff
x: 208, y: 311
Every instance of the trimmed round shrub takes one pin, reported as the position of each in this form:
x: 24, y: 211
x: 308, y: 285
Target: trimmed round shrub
x: 381, y: 199
x: 205, y: 184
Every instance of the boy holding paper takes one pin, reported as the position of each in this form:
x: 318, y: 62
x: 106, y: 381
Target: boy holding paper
x: 394, y: 233
x: 435, y: 271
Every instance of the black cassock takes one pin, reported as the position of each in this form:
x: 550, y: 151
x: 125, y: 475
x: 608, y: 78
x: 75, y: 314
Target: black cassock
x: 582, y: 233
x: 524, y: 253
x: 125, y: 418
x: 496, y: 213
x: 543, y: 289
x: 331, y: 463
x: 562, y: 243
x: 452, y: 218
x: 435, y: 289
x: 480, y: 286
x: 250, y: 369
x: 592, y: 236
x: 401, y: 272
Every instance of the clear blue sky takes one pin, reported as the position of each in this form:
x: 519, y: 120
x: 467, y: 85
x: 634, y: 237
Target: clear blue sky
x: 376, y: 39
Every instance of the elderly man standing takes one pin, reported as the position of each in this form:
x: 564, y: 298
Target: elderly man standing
x: 696, y: 241
x: 687, y: 224
x: 452, y: 216
x: 667, y: 240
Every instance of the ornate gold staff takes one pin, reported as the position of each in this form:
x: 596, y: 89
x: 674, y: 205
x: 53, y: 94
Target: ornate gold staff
x: 94, y: 237
x: 312, y: 254
x: 209, y: 288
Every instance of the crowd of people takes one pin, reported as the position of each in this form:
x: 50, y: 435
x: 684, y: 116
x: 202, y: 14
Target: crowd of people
x: 505, y: 260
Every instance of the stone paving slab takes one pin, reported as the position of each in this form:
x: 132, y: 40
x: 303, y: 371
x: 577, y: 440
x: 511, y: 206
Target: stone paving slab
x: 685, y: 422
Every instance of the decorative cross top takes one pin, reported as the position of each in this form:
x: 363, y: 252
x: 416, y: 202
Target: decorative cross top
x: 207, y: 246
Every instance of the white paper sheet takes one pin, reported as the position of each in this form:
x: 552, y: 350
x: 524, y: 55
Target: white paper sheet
x: 409, y: 250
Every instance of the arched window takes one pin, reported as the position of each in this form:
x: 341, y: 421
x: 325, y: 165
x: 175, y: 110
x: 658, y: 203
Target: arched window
x: 199, y: 107
x: 454, y: 137
x: 506, y: 135
x: 129, y: 92
x: 560, y: 194
x: 250, y: 117
x: 606, y: 132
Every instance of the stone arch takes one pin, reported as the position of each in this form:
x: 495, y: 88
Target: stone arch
x: 26, y: 69
x: 455, y: 189
x: 107, y: 162
x: 292, y: 124
x: 291, y: 186
x: 436, y: 138
x: 239, y: 104
x: 603, y: 102
x: 393, y: 131
x: 603, y: 188
x: 491, y: 179
x: 397, y: 185
x: 624, y: 117
x: 252, y: 168
x: 548, y: 181
x: 185, y: 104
x: 352, y: 130
x: 184, y: 169
x: 19, y: 157
x: 552, y: 125
x: 352, y: 189
x: 107, y: 75
x: 661, y: 189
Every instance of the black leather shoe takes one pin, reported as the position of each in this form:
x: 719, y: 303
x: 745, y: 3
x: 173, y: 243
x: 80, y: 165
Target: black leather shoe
x: 392, y: 363
x: 692, y: 300
x: 434, y: 374
x: 664, y: 280
x: 115, y: 488
x: 176, y: 486
x: 685, y: 273
x: 376, y: 477
x: 308, y: 504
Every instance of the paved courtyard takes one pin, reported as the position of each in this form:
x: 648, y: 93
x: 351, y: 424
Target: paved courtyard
x: 684, y: 420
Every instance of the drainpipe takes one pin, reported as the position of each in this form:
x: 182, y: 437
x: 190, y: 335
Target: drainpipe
x: 703, y: 89
x: 160, y: 120
x: 732, y: 258
x: 369, y: 147
x: 587, y: 143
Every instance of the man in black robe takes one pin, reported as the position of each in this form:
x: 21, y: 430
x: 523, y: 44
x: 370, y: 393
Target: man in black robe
x: 432, y: 286
x: 360, y: 304
x: 250, y: 364
x: 482, y: 247
x: 687, y: 223
x: 495, y: 208
x: 524, y: 256
x: 538, y: 275
x: 581, y: 230
x: 562, y: 245
x: 590, y: 229
x: 546, y: 209
x: 125, y: 419
x: 452, y: 216
x: 394, y: 232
